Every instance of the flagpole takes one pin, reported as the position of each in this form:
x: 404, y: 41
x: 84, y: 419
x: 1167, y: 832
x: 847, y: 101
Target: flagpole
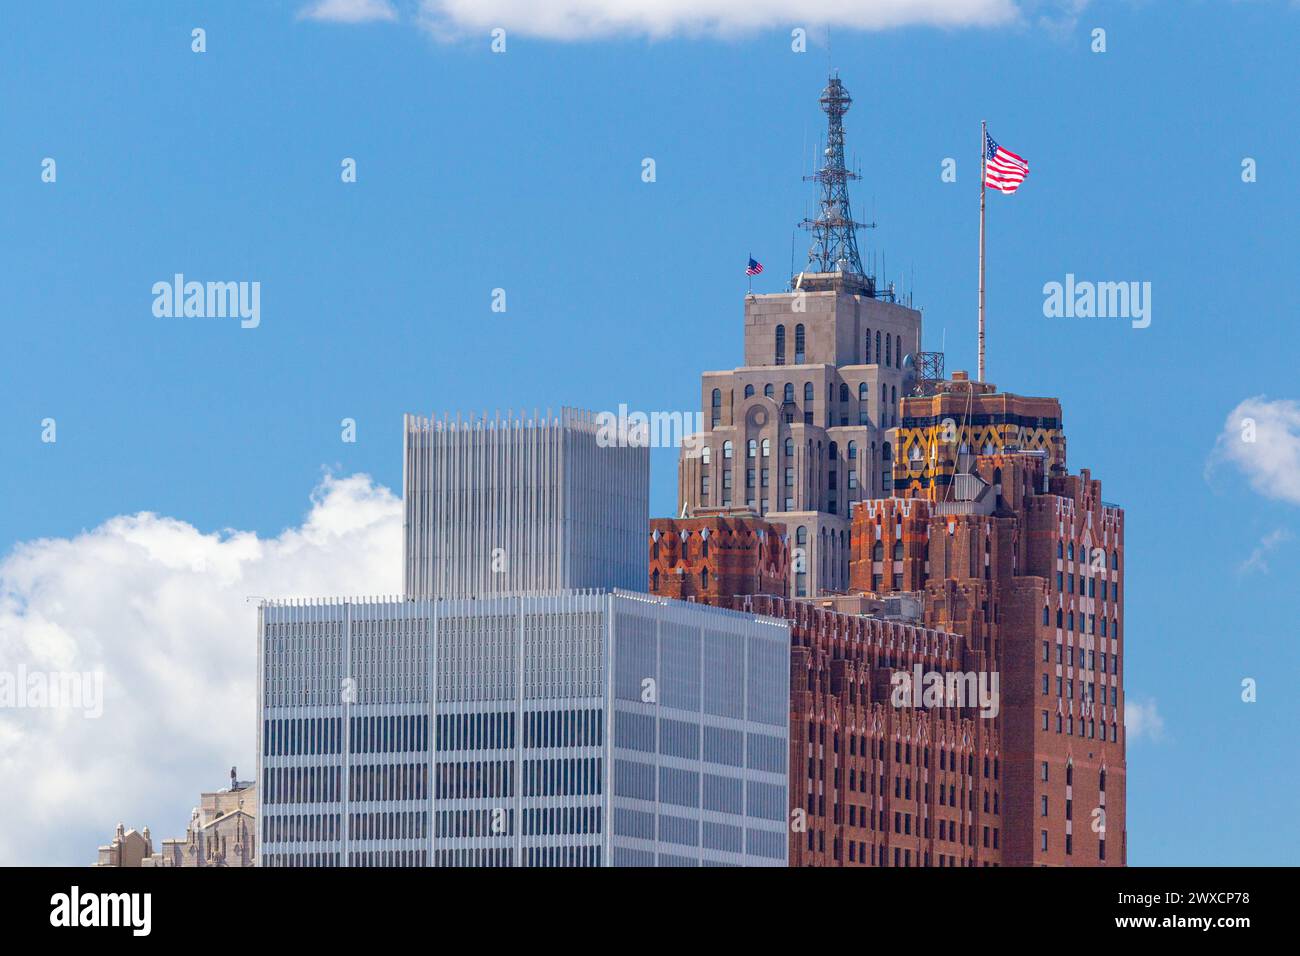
x: 983, y: 159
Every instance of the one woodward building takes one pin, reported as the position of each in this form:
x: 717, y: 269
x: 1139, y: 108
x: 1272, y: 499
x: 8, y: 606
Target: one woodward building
x: 541, y: 719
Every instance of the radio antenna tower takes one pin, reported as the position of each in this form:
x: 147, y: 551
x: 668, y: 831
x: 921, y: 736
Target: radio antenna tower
x: 834, y: 231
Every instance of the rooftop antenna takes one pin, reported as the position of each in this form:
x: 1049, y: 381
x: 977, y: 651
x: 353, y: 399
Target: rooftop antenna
x: 835, y: 245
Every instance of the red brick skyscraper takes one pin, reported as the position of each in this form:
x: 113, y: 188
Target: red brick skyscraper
x: 976, y: 555
x: 1000, y: 564
x: 1025, y: 561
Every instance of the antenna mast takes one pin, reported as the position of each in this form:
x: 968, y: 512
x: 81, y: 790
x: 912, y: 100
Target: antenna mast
x: 834, y: 231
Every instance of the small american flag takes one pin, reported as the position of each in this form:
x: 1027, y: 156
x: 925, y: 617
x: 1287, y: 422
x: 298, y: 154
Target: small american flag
x: 755, y: 267
x: 1003, y: 169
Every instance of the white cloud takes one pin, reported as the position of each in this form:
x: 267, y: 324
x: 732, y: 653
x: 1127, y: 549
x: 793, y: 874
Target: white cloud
x: 585, y: 19
x: 349, y: 11
x: 1142, y: 719
x: 1261, y: 438
x: 1258, y: 560
x: 160, y: 609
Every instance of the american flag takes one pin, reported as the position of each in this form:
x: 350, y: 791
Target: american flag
x: 1003, y: 169
x: 755, y: 267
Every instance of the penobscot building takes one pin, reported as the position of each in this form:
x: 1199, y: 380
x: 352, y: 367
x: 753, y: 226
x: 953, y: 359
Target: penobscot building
x: 545, y: 717
x: 804, y: 429
x: 970, y: 553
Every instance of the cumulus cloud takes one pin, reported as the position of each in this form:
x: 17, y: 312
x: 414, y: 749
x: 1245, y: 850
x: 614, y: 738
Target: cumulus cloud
x: 1143, y: 720
x: 587, y: 19
x: 1261, y: 439
x: 349, y: 11
x: 160, y: 610
x: 592, y: 19
x: 581, y: 19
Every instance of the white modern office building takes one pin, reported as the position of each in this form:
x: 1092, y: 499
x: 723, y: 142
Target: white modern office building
x: 508, y: 504
x: 573, y: 728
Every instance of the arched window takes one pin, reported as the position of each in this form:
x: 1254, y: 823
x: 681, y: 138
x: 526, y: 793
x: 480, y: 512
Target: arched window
x: 780, y: 345
x: 889, y: 350
x: 1071, y: 550
x: 885, y: 452
x: 655, y: 579
x: 808, y: 392
x: 749, y: 391
x: 798, y: 344
x: 893, y: 396
x: 863, y: 393
x: 898, y: 551
x: 752, y: 448
x: 884, y: 395
x: 877, y: 347
x: 716, y: 404
x: 1114, y: 560
x: 801, y: 536
x: 844, y: 392
x: 878, y: 552
x: 1060, y: 617
x: 1060, y: 549
x: 789, y: 447
x: 866, y: 358
x: 853, y: 450
x: 832, y: 451
x: 769, y: 390
x: 767, y: 448
x: 726, y: 449
x: 705, y: 455
x: 789, y: 392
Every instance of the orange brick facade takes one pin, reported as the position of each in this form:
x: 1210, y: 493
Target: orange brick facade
x: 713, y: 560
x: 1011, y: 567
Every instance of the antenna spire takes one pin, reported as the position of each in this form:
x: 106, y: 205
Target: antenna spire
x: 834, y: 231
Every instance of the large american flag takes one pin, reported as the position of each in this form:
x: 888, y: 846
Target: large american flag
x: 1003, y: 169
x: 754, y: 268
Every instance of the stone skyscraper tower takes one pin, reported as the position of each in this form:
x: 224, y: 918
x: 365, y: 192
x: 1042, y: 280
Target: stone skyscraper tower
x: 804, y: 428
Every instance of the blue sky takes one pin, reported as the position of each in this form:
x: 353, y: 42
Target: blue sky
x: 522, y: 171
